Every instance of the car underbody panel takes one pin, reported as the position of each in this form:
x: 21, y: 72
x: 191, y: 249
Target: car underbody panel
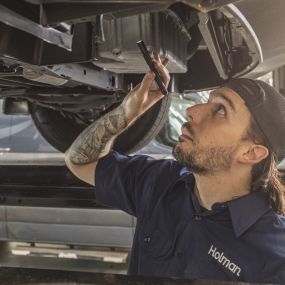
x: 81, y: 59
x: 105, y: 43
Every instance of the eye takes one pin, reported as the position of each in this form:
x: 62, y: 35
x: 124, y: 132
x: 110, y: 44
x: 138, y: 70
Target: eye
x: 220, y: 110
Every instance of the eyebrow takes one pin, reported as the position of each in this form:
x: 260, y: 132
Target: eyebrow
x: 224, y: 97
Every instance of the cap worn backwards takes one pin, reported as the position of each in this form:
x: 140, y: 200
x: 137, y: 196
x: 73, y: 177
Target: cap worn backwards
x: 267, y: 106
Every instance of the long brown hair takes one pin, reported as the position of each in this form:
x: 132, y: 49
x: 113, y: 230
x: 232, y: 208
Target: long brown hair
x: 266, y: 177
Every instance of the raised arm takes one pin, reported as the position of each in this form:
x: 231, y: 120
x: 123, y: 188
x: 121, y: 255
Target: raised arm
x: 96, y: 140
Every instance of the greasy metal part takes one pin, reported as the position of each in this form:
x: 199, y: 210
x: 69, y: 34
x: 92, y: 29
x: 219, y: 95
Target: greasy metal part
x: 98, y: 34
x: 38, y: 53
x: 179, y: 23
x: 278, y: 76
x: 49, y: 35
x: 201, y: 5
x: 14, y: 52
x: 63, y: 95
x: 240, y: 26
x: 103, y: 39
x: 82, y: 11
x: 95, y: 1
x: 118, y: 58
x: 87, y: 11
x: 42, y: 18
x: 75, y: 12
x: 76, y: 109
x: 39, y: 76
x: 20, y: 81
x: 249, y: 35
x: 207, y: 5
x: 162, y: 32
x: 89, y: 76
x: 81, y: 48
x: 207, y: 30
x: 73, y: 100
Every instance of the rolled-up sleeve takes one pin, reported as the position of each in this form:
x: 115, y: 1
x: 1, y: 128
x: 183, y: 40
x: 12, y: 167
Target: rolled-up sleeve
x: 127, y: 182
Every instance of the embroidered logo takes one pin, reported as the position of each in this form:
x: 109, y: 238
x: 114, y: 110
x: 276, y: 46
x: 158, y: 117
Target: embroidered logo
x: 219, y: 256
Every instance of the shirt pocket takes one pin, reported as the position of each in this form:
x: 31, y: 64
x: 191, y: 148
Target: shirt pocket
x: 155, y: 242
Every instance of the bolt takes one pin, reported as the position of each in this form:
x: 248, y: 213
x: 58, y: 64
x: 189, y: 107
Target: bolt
x: 116, y: 51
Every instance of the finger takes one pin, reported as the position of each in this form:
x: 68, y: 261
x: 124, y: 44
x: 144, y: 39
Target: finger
x: 160, y: 66
x: 164, y: 73
x: 165, y: 61
x: 156, y: 57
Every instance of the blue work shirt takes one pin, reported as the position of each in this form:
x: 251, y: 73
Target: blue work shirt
x: 241, y: 240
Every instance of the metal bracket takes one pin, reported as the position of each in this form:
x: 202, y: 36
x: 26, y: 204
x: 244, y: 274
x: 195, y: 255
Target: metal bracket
x: 101, y: 79
x: 206, y: 6
x: 49, y: 35
x: 207, y: 29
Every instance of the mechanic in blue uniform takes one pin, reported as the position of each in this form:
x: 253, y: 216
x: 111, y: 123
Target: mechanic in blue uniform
x: 217, y: 211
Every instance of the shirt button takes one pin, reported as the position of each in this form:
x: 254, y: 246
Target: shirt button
x: 197, y: 218
x: 146, y: 239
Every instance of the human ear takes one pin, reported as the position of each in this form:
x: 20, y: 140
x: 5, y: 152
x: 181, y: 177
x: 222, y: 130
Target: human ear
x: 254, y: 154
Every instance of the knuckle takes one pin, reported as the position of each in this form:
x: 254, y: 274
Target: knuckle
x: 159, y: 64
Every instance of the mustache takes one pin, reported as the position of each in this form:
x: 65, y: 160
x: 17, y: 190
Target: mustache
x: 189, y: 129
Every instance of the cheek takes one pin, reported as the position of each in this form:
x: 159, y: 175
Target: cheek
x: 218, y: 137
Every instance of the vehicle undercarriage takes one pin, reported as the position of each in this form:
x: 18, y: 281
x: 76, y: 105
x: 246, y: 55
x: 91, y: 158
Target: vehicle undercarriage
x: 69, y: 62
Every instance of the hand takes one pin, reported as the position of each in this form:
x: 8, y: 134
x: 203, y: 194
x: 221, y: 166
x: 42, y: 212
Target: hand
x: 161, y: 67
x: 147, y: 93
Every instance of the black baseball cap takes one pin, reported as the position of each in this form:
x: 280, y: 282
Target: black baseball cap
x: 267, y: 106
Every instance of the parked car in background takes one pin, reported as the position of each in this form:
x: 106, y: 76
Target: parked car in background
x: 42, y: 202
x: 18, y: 134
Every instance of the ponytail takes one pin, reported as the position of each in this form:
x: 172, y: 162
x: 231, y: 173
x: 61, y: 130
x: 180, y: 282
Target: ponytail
x: 266, y: 177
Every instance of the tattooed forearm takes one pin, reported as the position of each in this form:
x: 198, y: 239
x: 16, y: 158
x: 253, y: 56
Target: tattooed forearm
x: 93, y: 140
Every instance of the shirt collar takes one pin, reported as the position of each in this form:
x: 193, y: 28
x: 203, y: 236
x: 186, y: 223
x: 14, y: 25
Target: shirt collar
x: 246, y: 211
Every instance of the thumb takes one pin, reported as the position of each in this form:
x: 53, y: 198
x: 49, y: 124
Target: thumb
x: 147, y: 81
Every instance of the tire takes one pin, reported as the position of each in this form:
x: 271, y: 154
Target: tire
x: 60, y: 131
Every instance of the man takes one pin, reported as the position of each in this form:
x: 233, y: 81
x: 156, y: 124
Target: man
x: 216, y: 212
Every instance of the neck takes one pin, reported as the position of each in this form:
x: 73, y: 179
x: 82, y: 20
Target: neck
x: 222, y: 187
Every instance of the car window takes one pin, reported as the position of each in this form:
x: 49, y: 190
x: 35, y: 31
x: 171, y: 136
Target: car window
x: 171, y: 130
x: 21, y: 142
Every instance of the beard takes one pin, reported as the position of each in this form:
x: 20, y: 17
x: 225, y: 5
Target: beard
x: 207, y: 160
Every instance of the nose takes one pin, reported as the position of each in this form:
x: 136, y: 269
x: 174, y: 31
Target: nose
x: 197, y: 113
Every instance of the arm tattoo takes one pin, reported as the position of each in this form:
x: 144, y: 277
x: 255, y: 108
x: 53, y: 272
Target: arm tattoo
x: 92, y: 141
